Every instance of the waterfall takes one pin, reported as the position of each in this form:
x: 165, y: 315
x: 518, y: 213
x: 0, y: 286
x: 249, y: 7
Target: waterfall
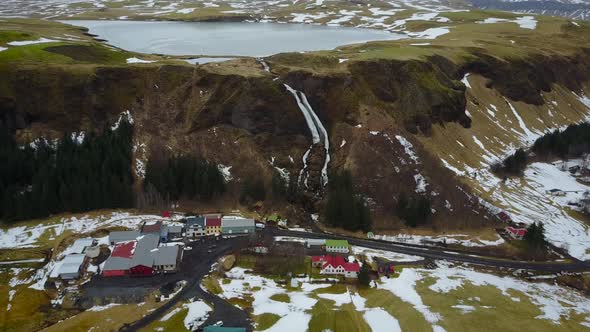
x: 317, y: 129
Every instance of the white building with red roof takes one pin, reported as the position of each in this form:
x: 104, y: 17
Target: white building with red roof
x: 337, y: 265
x: 516, y: 233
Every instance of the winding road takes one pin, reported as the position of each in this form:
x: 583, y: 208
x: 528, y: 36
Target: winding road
x: 198, y: 265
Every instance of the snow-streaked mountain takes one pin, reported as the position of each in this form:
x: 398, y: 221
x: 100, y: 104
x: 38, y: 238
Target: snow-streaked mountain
x: 575, y: 9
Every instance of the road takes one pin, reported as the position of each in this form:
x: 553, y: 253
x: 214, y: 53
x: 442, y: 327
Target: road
x: 196, y: 265
x: 437, y: 253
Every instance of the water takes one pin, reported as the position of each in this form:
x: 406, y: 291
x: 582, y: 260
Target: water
x: 227, y: 38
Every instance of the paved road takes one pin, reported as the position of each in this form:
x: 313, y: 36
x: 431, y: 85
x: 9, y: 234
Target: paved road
x: 196, y: 265
x: 436, y: 253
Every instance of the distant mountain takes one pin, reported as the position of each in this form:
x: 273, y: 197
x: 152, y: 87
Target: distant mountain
x: 575, y: 9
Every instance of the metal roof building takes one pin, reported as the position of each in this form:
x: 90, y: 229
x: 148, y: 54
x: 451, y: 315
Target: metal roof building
x: 70, y: 266
x: 231, y: 225
x: 122, y: 236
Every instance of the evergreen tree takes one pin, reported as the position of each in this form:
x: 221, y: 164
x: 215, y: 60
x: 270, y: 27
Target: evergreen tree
x: 67, y: 175
x: 344, y: 208
x: 364, y: 276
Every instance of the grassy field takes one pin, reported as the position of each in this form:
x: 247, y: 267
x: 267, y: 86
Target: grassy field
x: 110, y: 319
x: 473, y: 306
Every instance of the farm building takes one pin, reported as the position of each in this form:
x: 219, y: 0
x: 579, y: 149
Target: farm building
x: 80, y: 245
x: 516, y: 233
x: 167, y: 259
x: 195, y: 227
x: 70, y: 267
x: 337, y: 246
x: 120, y: 260
x: 142, y: 257
x: 142, y: 263
x: 315, y: 243
x: 337, y: 265
x: 213, y: 224
x: 174, y: 231
x: 151, y: 227
x: 122, y: 236
x: 231, y: 225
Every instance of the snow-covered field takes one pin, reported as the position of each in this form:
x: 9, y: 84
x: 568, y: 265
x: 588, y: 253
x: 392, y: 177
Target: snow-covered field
x: 30, y: 235
x: 415, y: 288
x: 461, y: 239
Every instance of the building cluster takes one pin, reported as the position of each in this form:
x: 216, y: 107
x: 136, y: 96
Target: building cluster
x: 215, y: 224
x: 332, y: 263
x: 144, y: 252
x: 76, y: 262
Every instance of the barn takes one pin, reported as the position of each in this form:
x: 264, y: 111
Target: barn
x: 142, y: 263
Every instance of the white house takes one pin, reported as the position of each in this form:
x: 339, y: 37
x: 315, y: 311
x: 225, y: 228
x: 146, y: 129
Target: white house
x: 337, y: 246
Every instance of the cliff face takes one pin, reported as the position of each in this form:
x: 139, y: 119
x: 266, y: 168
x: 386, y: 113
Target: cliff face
x: 378, y: 114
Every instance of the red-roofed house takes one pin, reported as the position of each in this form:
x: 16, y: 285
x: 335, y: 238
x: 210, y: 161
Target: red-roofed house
x: 213, y: 224
x: 339, y: 266
x: 516, y: 233
x: 318, y: 261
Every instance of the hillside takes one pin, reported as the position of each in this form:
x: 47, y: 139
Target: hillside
x: 411, y: 116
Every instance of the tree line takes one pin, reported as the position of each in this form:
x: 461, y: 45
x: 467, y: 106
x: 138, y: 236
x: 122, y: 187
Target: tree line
x: 344, y: 207
x: 66, y: 176
x: 572, y: 142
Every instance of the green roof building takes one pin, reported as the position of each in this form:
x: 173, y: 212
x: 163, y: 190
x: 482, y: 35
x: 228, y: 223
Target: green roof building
x: 337, y: 246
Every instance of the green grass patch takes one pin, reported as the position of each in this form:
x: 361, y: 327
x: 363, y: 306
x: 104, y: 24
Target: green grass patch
x: 409, y: 318
x: 212, y: 285
x: 265, y: 321
x: 174, y: 323
x: 7, y: 36
x: 244, y: 302
x: 282, y: 297
x: 345, y: 318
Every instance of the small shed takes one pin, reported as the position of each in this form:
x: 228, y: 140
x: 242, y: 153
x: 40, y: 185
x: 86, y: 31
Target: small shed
x: 71, y: 266
x: 315, y: 243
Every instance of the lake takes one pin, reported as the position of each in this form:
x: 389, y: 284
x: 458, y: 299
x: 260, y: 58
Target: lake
x: 227, y: 38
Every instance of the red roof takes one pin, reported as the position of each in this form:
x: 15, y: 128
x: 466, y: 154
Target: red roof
x: 517, y: 231
x: 318, y: 258
x: 336, y: 261
x: 165, y: 214
x: 151, y: 227
x: 124, y: 249
x: 213, y: 222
